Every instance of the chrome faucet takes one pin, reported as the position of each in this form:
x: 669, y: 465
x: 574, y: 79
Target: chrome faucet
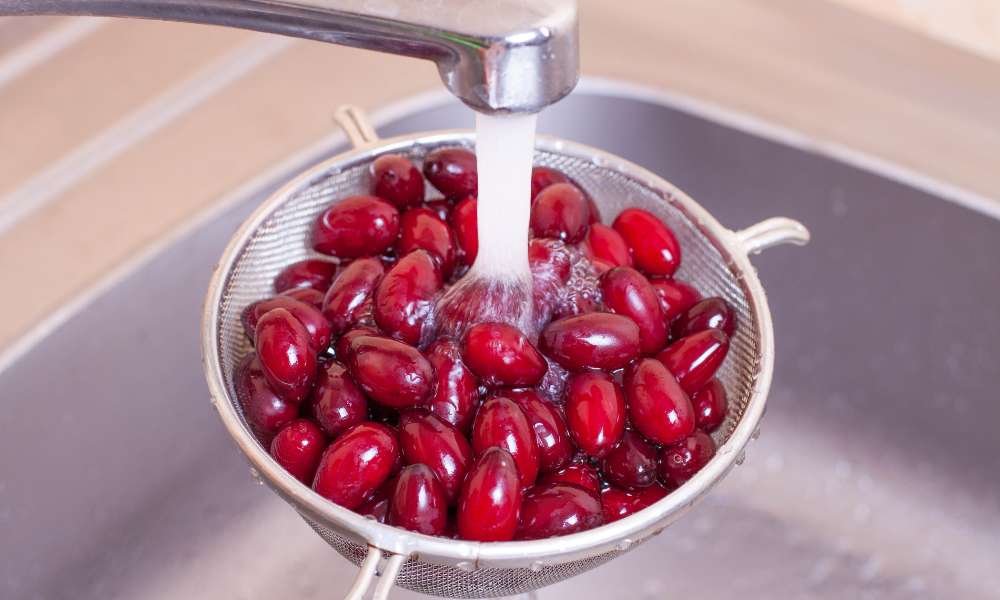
x: 497, y: 56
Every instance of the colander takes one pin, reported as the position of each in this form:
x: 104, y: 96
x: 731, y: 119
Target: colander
x: 715, y: 260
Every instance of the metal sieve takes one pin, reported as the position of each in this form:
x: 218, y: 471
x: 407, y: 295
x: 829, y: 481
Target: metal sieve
x: 715, y: 260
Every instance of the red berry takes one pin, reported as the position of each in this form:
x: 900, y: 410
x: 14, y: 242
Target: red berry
x: 675, y: 296
x: 418, y: 502
x: 627, y: 292
x: 397, y: 180
x: 591, y: 341
x: 441, y: 208
x: 390, y: 372
x: 345, y: 300
x: 404, y: 300
x: 710, y: 406
x: 465, y: 225
x: 543, y: 177
x: 711, y: 313
x: 420, y: 228
x: 618, y: 503
x: 377, y: 505
x: 310, y: 296
x: 551, y: 435
x: 659, y: 408
x: 654, y: 248
x: 342, y: 348
x: 309, y: 273
x: 694, y: 359
x: 605, y: 244
x: 356, y: 226
x: 298, y: 448
x: 312, y: 319
x: 337, y: 403
x: 595, y: 412
x: 429, y: 440
x: 356, y: 464
x: 452, y: 171
x: 560, y: 211
x: 265, y: 411
x: 580, y: 474
x: 501, y: 423
x: 456, y: 394
x: 549, y: 258
x: 680, y: 462
x: 501, y: 355
x: 490, y: 499
x: 632, y: 463
x: 553, y: 510
x: 286, y: 354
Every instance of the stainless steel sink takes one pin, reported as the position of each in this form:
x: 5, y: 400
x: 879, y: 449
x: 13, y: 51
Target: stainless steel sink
x: 876, y: 474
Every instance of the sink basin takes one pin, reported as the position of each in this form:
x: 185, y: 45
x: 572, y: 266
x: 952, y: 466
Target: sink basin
x: 875, y: 474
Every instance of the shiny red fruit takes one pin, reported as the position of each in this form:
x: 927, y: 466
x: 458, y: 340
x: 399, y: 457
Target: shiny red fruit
x: 501, y: 355
x: 309, y: 273
x: 298, y: 448
x: 694, y: 359
x: 605, y: 244
x: 632, y: 463
x: 404, y: 300
x: 337, y: 403
x: 553, y: 510
x: 580, y: 474
x: 342, y: 349
x: 618, y: 503
x: 591, y: 341
x: 549, y: 257
x: 429, y: 440
x: 595, y: 412
x: 311, y: 296
x: 286, y: 354
x: 456, y: 394
x: 560, y: 211
x: 420, y: 228
x: 356, y: 226
x: 465, y: 225
x: 627, y: 292
x: 397, y: 180
x: 490, y: 499
x: 710, y: 406
x: 312, y: 319
x: 654, y: 248
x: 265, y: 411
x: 501, y: 423
x: 543, y: 177
x: 418, y: 501
x: 555, y: 447
x: 452, y: 171
x: 345, y: 300
x: 441, y: 208
x: 710, y: 313
x: 390, y: 372
x: 659, y: 408
x: 675, y: 296
x: 356, y: 464
x: 680, y: 462
x: 377, y: 504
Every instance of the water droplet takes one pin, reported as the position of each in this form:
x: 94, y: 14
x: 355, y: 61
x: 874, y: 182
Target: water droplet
x: 535, y: 566
x: 256, y: 476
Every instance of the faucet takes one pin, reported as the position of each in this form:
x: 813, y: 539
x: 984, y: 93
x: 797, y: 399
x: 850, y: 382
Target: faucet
x: 496, y: 56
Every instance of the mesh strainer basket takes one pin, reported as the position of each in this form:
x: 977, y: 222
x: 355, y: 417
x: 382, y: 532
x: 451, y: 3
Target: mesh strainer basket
x: 714, y: 260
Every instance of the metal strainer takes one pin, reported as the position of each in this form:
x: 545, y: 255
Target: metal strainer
x: 715, y: 260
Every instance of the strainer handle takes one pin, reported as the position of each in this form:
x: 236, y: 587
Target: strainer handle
x: 369, y: 572
x: 772, y: 232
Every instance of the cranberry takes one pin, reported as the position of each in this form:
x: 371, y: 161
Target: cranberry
x: 560, y: 211
x: 286, y: 354
x: 490, y: 499
x: 336, y: 402
x: 557, y: 509
x: 397, y: 180
x: 441, y: 208
x: 420, y: 228
x: 356, y: 226
x: 711, y: 313
x: 356, y: 464
x: 501, y: 355
x: 429, y: 440
x: 632, y: 463
x: 618, y: 504
x: 452, y: 171
x: 377, y: 505
x: 342, y: 349
x: 404, y: 300
x: 298, y: 448
x: 465, y: 225
x: 675, y: 296
x: 694, y: 359
x: 595, y: 412
x: 605, y: 244
x: 680, y: 462
x: 390, y: 372
x: 580, y: 474
x: 627, y: 292
x: 501, y: 423
x: 350, y: 291
x: 309, y: 273
x: 418, y: 502
x: 310, y: 296
x: 550, y: 258
x: 551, y: 435
x: 543, y: 177
x: 654, y: 248
x: 591, y: 341
x: 710, y: 406
x: 265, y: 411
x: 659, y: 408
x: 312, y: 319
x: 457, y: 392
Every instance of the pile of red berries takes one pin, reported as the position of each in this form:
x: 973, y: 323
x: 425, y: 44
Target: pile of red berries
x: 493, y: 436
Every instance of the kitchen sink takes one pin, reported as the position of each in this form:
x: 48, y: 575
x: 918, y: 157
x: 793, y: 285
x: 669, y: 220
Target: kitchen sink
x: 875, y: 476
